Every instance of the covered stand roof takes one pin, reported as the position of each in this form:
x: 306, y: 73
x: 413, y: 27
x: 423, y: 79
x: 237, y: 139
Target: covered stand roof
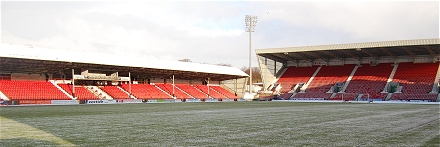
x: 40, y: 60
x: 375, y: 50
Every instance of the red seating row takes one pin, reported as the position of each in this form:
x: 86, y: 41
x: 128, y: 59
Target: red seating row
x: 341, y: 96
x: 31, y: 90
x: 352, y: 96
x: 313, y: 95
x: 145, y: 91
x: 415, y: 96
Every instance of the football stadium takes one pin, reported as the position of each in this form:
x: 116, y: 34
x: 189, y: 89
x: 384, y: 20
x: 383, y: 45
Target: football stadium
x: 397, y: 71
x: 362, y: 94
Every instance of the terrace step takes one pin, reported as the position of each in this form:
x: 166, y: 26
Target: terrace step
x: 3, y: 96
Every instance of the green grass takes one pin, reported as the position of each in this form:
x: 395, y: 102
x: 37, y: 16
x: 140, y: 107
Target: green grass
x: 221, y: 124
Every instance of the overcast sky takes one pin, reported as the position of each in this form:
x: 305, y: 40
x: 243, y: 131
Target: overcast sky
x: 211, y: 31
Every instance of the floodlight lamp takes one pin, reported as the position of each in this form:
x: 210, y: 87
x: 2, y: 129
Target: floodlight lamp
x: 254, y: 20
x: 251, y: 22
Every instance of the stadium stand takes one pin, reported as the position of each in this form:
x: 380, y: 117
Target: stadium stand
x: 369, y: 81
x: 417, y: 80
x: 31, y: 90
x: 114, y: 92
x: 179, y: 94
x: 212, y: 93
x: 325, y: 79
x: 145, y: 91
x: 295, y: 75
x: 193, y: 91
x: 81, y: 93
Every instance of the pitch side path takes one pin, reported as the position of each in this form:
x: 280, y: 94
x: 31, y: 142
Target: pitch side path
x: 221, y: 124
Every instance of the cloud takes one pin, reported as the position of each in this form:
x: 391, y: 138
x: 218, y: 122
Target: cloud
x: 363, y: 20
x: 212, y: 32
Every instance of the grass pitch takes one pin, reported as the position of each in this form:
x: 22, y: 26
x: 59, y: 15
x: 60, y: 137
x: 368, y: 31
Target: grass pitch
x: 221, y: 124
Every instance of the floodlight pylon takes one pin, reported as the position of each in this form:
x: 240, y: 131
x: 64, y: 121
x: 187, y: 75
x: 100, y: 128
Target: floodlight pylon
x: 251, y: 22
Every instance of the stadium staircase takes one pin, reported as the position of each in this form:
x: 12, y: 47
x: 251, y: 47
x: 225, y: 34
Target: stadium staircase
x: 393, y: 72
x: 388, y: 97
x: 338, y: 95
x: 349, y: 79
x: 306, y: 85
x: 334, y: 96
x: 436, y: 82
x: 98, y: 92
